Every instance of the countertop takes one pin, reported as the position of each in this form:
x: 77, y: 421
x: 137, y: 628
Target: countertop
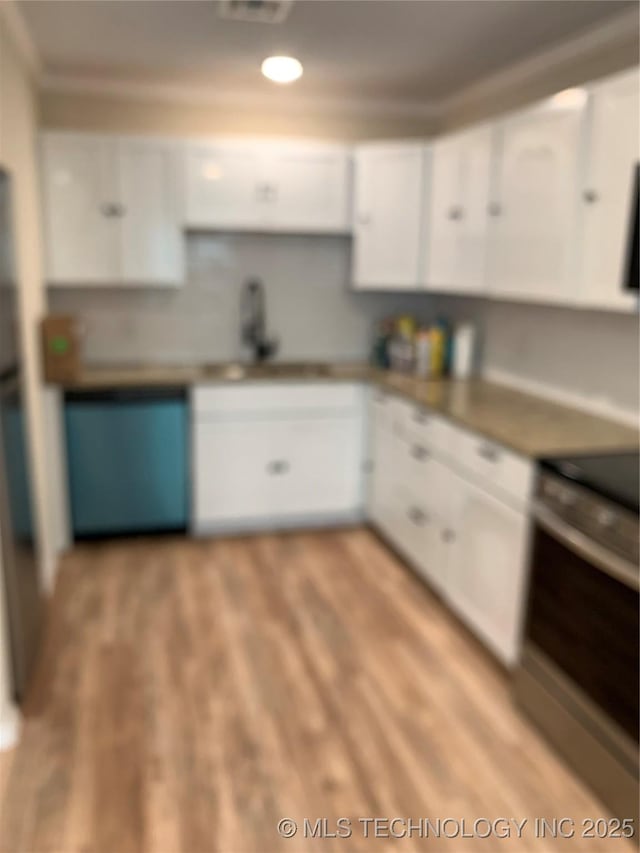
x: 530, y: 425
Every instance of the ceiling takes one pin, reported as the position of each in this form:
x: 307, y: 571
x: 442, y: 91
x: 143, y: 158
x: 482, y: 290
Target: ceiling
x: 388, y: 51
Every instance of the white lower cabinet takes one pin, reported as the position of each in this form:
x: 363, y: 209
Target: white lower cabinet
x: 285, y: 459
x: 487, y: 581
x: 461, y: 522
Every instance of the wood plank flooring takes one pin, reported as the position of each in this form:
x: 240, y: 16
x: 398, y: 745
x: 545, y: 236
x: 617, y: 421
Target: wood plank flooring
x: 193, y: 693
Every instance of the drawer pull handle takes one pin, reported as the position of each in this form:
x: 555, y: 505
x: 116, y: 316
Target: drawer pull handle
x: 278, y: 466
x: 419, y: 452
x: 417, y: 516
x: 491, y: 454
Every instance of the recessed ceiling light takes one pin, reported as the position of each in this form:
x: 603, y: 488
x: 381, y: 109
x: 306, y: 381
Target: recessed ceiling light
x: 282, y: 69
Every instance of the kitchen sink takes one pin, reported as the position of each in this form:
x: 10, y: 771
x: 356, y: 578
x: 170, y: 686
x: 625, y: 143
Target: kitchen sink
x: 275, y: 370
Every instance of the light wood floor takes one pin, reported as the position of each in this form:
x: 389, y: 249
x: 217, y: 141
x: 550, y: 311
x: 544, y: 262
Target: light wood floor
x: 193, y: 693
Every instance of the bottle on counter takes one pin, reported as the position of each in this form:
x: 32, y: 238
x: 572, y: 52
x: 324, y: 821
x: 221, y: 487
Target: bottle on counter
x: 423, y: 353
x: 380, y: 353
x: 402, y: 347
x: 464, y: 344
x: 437, y: 341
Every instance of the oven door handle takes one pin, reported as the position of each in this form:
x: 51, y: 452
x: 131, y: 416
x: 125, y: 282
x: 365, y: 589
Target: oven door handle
x: 615, y: 566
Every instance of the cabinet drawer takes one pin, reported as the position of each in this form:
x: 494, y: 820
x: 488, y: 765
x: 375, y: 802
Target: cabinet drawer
x: 423, y: 428
x: 498, y: 468
x: 262, y: 399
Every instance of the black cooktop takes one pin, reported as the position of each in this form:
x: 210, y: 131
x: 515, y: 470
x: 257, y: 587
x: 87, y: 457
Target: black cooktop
x: 614, y: 476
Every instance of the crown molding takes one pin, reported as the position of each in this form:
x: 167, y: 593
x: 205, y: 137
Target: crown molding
x: 198, y: 95
x: 618, y: 30
x: 15, y: 23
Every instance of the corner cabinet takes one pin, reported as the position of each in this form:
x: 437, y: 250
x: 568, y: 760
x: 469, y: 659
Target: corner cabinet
x: 112, y: 211
x: 534, y: 205
x: 389, y: 215
x: 268, y: 186
x: 458, y: 200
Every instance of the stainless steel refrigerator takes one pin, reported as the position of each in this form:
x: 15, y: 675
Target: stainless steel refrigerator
x: 18, y: 552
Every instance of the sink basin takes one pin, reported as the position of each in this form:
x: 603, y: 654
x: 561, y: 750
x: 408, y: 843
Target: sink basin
x: 275, y: 370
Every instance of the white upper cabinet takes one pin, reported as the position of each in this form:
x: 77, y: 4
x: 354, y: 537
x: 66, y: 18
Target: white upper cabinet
x: 534, y: 205
x: 309, y: 188
x: 81, y: 227
x: 111, y: 211
x: 388, y: 230
x: 459, y: 198
x: 151, y: 239
x: 225, y: 186
x: 268, y: 186
x: 612, y: 154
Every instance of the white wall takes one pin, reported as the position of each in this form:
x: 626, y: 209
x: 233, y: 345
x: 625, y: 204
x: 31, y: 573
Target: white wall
x: 586, y: 359
x: 18, y: 154
x: 310, y: 304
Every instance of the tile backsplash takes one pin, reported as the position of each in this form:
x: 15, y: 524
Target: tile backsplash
x: 585, y: 358
x: 310, y: 306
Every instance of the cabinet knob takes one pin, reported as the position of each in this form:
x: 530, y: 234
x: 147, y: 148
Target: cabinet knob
x: 590, y: 196
x: 419, y: 452
x: 278, y: 466
x: 494, y: 209
x: 488, y: 452
x: 448, y: 536
x: 417, y: 516
x: 109, y: 210
x: 455, y: 213
x: 112, y: 210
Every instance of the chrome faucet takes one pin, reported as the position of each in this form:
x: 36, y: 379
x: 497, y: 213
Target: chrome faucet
x: 254, y: 321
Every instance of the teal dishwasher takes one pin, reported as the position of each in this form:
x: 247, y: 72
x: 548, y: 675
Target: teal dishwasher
x: 127, y: 458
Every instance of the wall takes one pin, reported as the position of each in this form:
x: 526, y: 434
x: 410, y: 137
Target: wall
x: 587, y: 359
x: 115, y: 113
x: 18, y: 155
x: 310, y: 304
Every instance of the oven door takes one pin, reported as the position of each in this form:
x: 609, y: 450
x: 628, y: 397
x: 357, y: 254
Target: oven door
x: 578, y: 674
x: 583, y: 619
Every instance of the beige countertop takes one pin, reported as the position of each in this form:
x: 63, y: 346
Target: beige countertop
x: 530, y: 425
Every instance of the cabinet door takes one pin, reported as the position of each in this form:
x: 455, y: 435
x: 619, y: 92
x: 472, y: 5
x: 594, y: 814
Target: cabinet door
x: 475, y: 172
x: 490, y: 570
x: 152, y: 240
x: 533, y: 229
x: 613, y: 152
x: 308, y: 188
x: 388, y: 216
x: 82, y: 229
x: 445, y: 219
x: 253, y: 470
x: 458, y: 220
x: 225, y: 186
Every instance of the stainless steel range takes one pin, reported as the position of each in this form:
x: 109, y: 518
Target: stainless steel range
x: 578, y: 677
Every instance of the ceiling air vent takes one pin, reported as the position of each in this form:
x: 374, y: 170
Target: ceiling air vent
x: 258, y: 11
